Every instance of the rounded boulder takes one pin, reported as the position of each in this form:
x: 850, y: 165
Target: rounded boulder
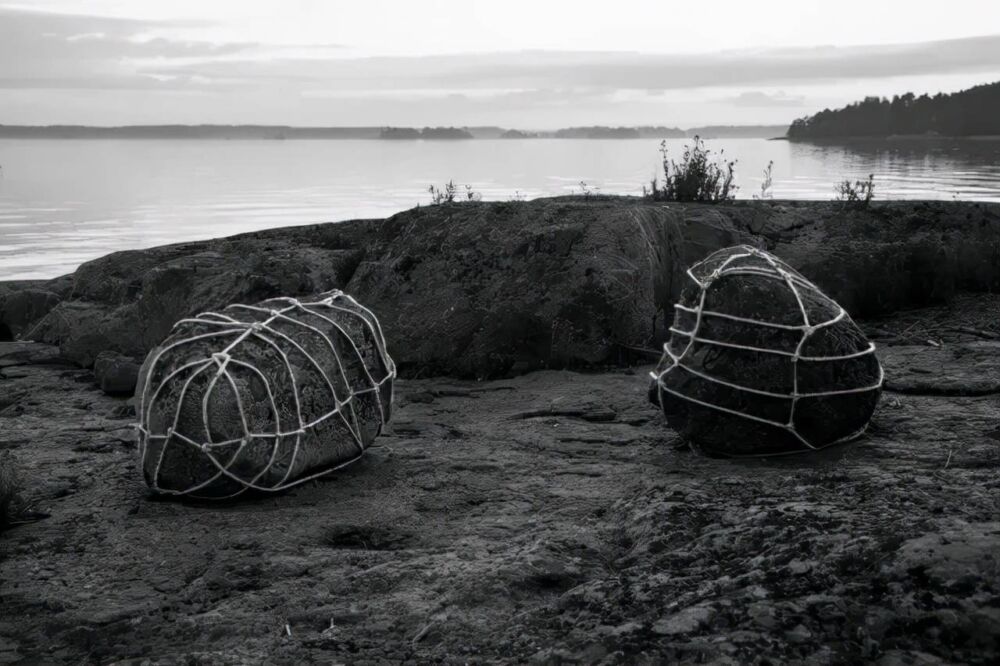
x: 263, y: 397
x: 761, y: 362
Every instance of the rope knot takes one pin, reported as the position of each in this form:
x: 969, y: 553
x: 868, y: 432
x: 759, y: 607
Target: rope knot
x: 221, y: 359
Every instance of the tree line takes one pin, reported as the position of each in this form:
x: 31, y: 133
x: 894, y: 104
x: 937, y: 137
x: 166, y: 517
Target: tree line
x: 975, y: 111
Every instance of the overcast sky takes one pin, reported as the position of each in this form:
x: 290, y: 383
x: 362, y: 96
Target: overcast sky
x: 514, y: 63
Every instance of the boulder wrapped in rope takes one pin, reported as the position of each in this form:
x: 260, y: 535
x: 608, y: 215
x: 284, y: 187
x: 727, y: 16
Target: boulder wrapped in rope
x: 263, y: 396
x: 761, y: 362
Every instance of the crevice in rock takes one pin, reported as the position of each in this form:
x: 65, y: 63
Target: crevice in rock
x: 591, y: 415
x: 349, y: 267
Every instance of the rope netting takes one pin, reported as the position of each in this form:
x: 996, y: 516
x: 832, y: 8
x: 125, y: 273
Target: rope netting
x: 326, y: 372
x: 754, y: 263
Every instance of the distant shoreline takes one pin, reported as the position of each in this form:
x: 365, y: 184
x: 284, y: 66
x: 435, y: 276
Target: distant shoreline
x: 893, y: 137
x: 290, y: 133
x: 966, y: 114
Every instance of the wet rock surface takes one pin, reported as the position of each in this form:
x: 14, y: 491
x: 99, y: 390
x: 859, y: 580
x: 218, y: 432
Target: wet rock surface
x: 549, y: 518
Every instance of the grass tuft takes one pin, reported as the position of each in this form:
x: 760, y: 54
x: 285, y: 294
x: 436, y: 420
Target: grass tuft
x: 699, y: 176
x: 857, y: 194
x: 449, y: 194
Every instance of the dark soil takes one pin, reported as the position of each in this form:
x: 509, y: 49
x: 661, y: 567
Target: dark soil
x: 551, y: 518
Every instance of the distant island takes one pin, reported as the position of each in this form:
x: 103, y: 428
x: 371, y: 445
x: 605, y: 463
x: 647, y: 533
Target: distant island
x: 659, y: 132
x: 272, y: 132
x: 286, y: 132
x: 598, y: 133
x: 738, y: 131
x: 518, y: 134
x: 972, y: 112
x: 431, y: 133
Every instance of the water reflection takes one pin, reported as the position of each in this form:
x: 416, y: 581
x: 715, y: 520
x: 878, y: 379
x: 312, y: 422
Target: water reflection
x: 64, y: 202
x: 912, y: 169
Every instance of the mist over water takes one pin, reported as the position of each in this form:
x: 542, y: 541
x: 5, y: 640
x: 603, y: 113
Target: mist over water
x: 65, y: 202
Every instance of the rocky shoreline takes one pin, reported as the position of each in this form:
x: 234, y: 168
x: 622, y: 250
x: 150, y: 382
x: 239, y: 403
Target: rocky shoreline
x: 494, y: 289
x: 527, y: 504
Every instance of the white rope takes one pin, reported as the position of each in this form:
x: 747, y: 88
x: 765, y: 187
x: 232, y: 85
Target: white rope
x: 336, y: 305
x: 777, y: 270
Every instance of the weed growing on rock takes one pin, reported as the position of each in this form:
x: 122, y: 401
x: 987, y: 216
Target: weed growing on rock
x: 445, y: 195
x: 859, y: 193
x: 449, y: 194
x: 587, y: 191
x: 699, y: 176
x: 765, y: 185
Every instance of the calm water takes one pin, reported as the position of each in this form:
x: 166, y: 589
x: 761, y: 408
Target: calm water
x: 64, y: 202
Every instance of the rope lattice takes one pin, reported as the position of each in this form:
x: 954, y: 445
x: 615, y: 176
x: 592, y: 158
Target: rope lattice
x: 300, y: 339
x: 749, y: 261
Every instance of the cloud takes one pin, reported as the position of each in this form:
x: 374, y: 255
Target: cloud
x: 614, y: 70
x: 75, y: 68
x: 65, y: 51
x: 69, y: 51
x: 760, y: 99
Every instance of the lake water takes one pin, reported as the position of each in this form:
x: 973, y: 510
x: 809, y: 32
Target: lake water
x: 65, y: 202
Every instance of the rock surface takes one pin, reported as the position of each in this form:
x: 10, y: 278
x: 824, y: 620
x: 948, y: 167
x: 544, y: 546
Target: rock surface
x: 495, y: 289
x: 547, y: 518
x: 972, y: 368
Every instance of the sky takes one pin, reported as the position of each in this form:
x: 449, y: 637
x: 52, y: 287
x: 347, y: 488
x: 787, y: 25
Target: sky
x: 528, y: 64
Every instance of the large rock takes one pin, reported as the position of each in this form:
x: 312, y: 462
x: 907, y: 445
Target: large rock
x: 116, y: 374
x: 489, y: 289
x: 761, y: 362
x: 263, y: 396
x: 127, y: 302
x: 486, y: 289
x: 472, y: 290
x: 19, y: 309
x: 895, y: 255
